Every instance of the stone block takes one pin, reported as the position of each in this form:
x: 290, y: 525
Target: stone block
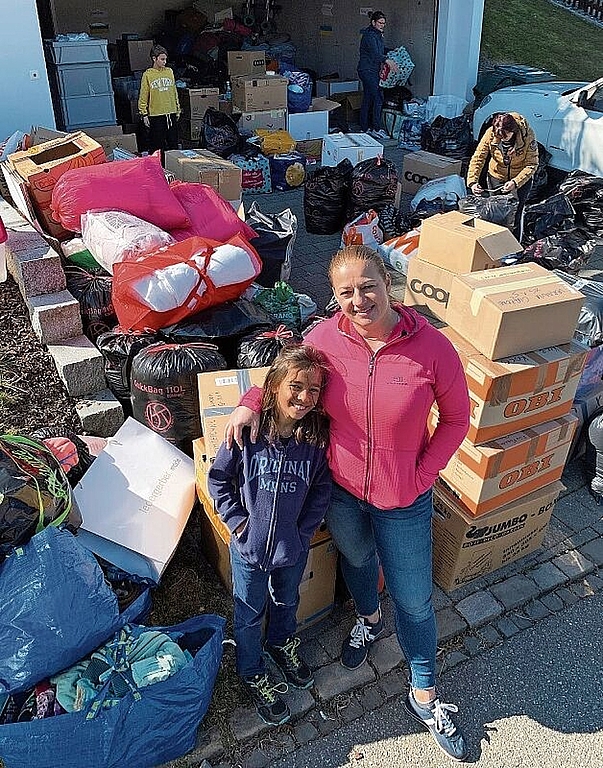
x: 80, y: 365
x: 385, y: 654
x: 515, y: 591
x: 333, y: 679
x: 55, y: 316
x: 573, y: 564
x: 548, y: 576
x: 37, y: 269
x: 101, y: 414
x: 449, y: 624
x: 479, y: 608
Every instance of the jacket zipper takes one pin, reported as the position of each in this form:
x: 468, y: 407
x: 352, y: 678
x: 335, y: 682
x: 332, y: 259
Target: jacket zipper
x: 272, y: 528
x: 369, y: 435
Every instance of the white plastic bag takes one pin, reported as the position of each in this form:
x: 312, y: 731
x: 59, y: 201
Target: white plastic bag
x: 446, y: 106
x: 450, y: 188
x: 398, y: 251
x: 363, y: 230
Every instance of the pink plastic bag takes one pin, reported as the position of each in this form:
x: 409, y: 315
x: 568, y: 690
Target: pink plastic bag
x: 135, y: 186
x: 209, y: 213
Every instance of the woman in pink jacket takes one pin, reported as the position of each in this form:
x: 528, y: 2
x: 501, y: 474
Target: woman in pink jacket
x: 388, y: 367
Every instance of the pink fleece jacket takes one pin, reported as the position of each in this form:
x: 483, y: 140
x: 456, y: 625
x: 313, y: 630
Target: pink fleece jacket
x: 378, y: 403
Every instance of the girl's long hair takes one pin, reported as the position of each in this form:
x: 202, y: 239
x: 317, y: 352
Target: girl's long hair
x: 313, y: 428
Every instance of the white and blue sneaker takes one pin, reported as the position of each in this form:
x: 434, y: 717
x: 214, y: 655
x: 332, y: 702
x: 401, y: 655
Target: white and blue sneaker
x: 434, y: 716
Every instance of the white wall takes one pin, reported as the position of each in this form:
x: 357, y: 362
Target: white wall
x: 23, y: 102
x: 458, y: 41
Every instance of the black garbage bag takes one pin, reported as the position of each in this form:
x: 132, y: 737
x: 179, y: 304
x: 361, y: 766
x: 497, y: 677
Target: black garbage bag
x: 262, y: 347
x: 396, y: 96
x: 393, y: 222
x: 326, y: 195
x: 92, y: 289
x: 585, y: 192
x: 34, y: 492
x: 220, y: 133
x: 569, y: 250
x: 540, y: 179
x: 449, y: 136
x: 310, y: 324
x: 165, y: 395
x: 589, y: 329
x: 119, y: 347
x: 496, y: 208
x: 555, y: 214
x: 427, y: 208
x: 373, y: 185
x: 277, y: 233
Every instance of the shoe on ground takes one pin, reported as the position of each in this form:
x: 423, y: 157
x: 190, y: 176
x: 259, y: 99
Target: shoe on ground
x: 372, y: 132
x: 265, y: 695
x: 381, y: 134
x: 286, y: 657
x: 438, y: 722
x: 356, y: 646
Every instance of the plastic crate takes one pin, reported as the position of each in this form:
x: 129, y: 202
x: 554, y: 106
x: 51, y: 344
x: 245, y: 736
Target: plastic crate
x: 87, y: 111
x: 83, y: 80
x: 76, y: 51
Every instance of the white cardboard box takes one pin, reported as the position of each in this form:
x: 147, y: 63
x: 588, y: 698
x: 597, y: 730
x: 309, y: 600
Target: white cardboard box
x: 313, y: 124
x: 329, y: 87
x: 355, y: 146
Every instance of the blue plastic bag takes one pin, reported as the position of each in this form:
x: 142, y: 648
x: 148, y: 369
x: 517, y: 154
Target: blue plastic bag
x: 144, y: 729
x: 55, y: 607
x: 299, y: 90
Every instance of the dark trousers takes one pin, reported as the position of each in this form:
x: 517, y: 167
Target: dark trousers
x: 372, y: 101
x: 163, y: 133
x: 522, y: 195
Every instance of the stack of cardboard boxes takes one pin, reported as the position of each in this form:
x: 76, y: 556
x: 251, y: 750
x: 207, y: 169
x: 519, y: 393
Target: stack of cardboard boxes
x: 219, y: 393
x: 512, y: 328
x: 260, y: 97
x: 204, y: 167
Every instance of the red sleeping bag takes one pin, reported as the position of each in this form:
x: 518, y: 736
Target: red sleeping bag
x: 135, y: 186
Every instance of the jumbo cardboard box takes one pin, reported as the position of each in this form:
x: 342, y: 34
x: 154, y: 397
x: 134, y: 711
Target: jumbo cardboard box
x: 465, y: 548
x: 329, y: 86
x: 242, y: 63
x: 420, y: 167
x: 251, y: 93
x: 219, y: 395
x: 199, y: 165
x: 195, y: 101
x: 268, y: 120
x: 517, y: 392
x: 487, y: 476
x: 355, y: 146
x: 462, y: 243
x: 511, y: 310
x: 313, y: 124
x: 428, y: 286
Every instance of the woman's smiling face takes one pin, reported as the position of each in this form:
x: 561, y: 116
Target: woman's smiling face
x: 363, y: 295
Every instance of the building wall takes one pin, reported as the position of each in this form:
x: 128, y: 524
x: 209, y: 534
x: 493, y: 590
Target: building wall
x: 24, y: 101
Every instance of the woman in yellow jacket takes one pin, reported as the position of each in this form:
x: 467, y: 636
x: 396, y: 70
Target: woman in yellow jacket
x: 511, y: 151
x: 158, y: 102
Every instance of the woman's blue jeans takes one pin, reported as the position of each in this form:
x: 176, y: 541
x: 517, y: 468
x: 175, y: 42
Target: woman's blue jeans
x: 255, y: 593
x: 399, y: 539
x: 372, y: 102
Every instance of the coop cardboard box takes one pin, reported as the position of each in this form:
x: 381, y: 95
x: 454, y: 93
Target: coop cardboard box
x: 465, y: 548
x: 199, y: 165
x: 355, y: 146
x: 511, y: 310
x: 269, y: 120
x: 219, y: 394
x: 329, y: 86
x: 317, y: 587
x: 313, y: 124
x: 420, y: 167
x: 428, y: 286
x: 195, y: 101
x: 487, y: 476
x: 242, y: 63
x: 520, y: 391
x: 251, y: 93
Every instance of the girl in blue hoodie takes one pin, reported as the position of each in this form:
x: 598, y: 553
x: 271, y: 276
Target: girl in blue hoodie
x: 272, y: 495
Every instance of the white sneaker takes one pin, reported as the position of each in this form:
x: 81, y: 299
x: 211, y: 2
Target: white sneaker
x: 381, y: 134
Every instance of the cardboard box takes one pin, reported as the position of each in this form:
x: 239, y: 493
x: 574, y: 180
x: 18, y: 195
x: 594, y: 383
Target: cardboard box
x: 420, y: 167
x: 517, y: 392
x: 428, y: 286
x: 329, y: 86
x: 199, y: 165
x: 268, y: 120
x: 464, y: 549
x: 462, y: 243
x: 219, y: 394
x: 251, y: 93
x: 355, y: 146
x: 311, y: 149
x: 511, y: 310
x: 191, y: 130
x: 350, y: 105
x: 241, y: 63
x: 313, y: 124
x: 485, y: 477
x: 195, y: 101
x: 42, y: 165
x: 135, y: 55
x: 112, y: 136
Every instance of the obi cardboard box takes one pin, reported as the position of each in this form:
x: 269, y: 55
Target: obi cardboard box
x: 520, y: 391
x: 268, y: 120
x: 195, y: 101
x: 355, y: 146
x: 199, y: 165
x: 461, y: 243
x: 313, y: 124
x: 428, y: 286
x: 512, y: 310
x: 420, y: 167
x: 487, y: 476
x: 242, y: 63
x: 465, y: 548
x: 251, y: 93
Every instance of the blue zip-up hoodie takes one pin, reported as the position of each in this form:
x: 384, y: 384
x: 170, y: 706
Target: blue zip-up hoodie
x: 281, y: 491
x: 372, y: 51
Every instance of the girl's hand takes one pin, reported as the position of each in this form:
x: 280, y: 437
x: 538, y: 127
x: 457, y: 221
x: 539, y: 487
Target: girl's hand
x: 477, y: 189
x: 239, y: 529
x: 241, y: 417
x: 509, y: 186
x: 146, y: 122
x: 392, y: 65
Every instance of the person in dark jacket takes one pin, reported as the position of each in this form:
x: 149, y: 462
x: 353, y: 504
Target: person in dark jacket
x: 373, y: 54
x: 272, y: 495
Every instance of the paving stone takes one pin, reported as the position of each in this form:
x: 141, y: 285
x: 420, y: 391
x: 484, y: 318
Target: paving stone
x: 490, y: 634
x: 597, y: 525
x: 439, y: 598
x: 257, y: 759
x: 314, y: 654
x: 474, y: 645
x: 507, y: 627
x: 556, y: 531
x: 55, y: 316
x: 537, y: 610
x: 304, y: 732
x: 552, y: 601
x: 450, y: 624
x: 393, y: 684
x: 80, y: 365
x: 327, y: 724
x: 209, y: 744
x: 514, y: 591
x: 352, y: 711
x: 299, y: 701
x: 246, y: 723
x: 574, y: 514
x: 101, y: 414
x: 582, y: 589
x: 371, y: 697
x: 548, y: 576
x: 36, y: 270
x: 568, y: 597
x: 333, y: 679
x: 479, y: 608
x: 573, y: 564
x: 594, y: 551
x: 582, y: 537
x: 521, y: 619
x: 385, y: 654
